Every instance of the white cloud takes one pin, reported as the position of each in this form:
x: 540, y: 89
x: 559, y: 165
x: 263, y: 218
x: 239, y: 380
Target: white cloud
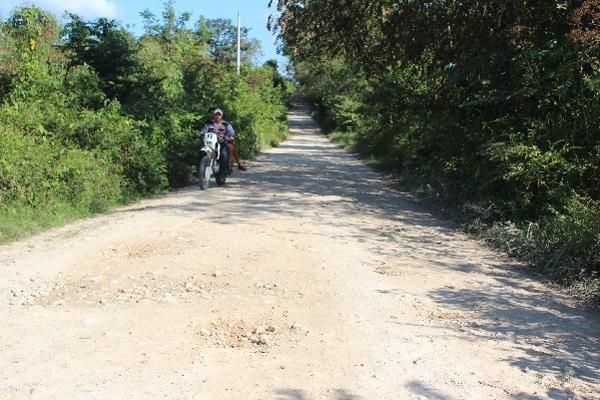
x: 85, y: 8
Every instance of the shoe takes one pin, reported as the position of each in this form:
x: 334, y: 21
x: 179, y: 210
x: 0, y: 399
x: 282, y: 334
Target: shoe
x: 229, y: 171
x: 241, y: 168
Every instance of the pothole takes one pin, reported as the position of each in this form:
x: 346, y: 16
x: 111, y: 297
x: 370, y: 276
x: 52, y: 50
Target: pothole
x: 242, y: 334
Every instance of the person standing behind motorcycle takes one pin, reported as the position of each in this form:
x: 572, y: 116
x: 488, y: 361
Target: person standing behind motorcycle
x: 224, y: 132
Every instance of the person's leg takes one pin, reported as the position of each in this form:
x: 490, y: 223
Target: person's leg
x: 231, y: 151
x: 238, y: 158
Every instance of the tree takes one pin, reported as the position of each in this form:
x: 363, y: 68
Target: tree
x: 171, y: 24
x: 109, y: 49
x: 222, y: 42
x: 27, y: 52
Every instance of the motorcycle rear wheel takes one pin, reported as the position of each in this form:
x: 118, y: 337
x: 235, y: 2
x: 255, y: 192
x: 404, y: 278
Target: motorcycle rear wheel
x: 221, y: 178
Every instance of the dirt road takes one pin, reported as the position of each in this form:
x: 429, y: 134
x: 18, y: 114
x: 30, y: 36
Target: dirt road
x: 305, y: 278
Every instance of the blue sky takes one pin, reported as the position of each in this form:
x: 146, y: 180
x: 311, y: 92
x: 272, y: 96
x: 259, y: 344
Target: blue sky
x: 254, y: 13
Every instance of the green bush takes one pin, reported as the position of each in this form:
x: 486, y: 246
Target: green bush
x: 37, y: 173
x: 564, y: 246
x: 257, y: 110
x: 38, y: 179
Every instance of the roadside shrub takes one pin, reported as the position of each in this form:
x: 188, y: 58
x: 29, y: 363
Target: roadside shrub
x: 564, y: 246
x: 38, y: 174
x: 258, y: 111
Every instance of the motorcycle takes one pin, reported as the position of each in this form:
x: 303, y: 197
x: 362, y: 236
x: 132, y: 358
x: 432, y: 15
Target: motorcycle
x: 211, y: 162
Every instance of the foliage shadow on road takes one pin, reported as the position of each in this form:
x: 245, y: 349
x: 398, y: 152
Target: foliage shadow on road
x: 552, y: 337
x: 296, y: 394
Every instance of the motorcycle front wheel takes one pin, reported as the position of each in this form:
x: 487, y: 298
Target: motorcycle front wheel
x: 204, y: 173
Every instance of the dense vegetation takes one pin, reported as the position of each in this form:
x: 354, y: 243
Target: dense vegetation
x: 491, y: 106
x: 91, y: 116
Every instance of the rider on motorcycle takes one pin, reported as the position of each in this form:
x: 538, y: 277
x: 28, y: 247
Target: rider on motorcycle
x: 232, y: 151
x: 223, y: 130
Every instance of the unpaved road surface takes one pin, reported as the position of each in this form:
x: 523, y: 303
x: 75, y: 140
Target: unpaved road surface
x: 305, y: 278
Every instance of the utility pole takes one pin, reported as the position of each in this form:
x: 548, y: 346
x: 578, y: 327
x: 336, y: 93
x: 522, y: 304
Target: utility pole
x: 239, y: 44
